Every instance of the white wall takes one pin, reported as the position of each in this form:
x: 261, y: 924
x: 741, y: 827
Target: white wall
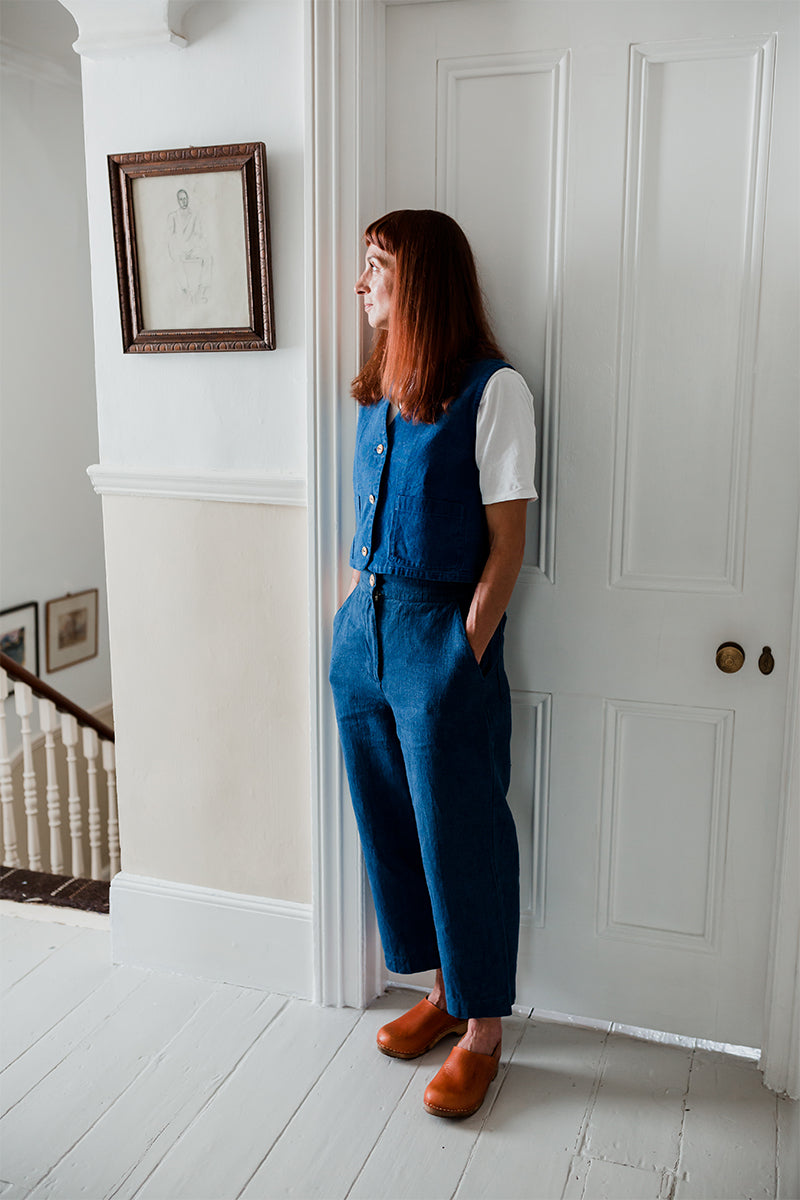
x: 207, y: 600
x: 50, y: 519
x: 240, y: 79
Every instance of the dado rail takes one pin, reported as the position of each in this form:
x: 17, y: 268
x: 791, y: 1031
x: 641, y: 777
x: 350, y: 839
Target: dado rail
x: 97, y: 742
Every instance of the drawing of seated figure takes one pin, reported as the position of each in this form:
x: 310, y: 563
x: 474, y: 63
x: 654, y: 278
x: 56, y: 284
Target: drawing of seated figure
x: 189, y: 250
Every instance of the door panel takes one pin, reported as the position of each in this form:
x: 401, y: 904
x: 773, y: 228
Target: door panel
x: 627, y: 176
x: 474, y: 151
x: 663, y: 816
x: 699, y: 117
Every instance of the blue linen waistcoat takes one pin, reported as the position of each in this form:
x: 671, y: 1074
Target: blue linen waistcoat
x: 419, y: 511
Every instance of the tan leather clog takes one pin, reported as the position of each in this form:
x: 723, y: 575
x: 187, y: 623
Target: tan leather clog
x: 418, y: 1030
x: 459, y: 1088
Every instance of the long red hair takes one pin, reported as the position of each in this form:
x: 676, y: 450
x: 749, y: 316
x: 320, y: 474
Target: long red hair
x: 438, y: 322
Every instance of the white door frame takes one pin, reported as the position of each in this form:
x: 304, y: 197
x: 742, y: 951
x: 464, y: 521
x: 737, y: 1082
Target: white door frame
x: 345, y: 107
x: 340, y: 185
x: 780, y: 1053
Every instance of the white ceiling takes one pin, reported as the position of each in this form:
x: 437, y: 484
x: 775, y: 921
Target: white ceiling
x: 41, y: 27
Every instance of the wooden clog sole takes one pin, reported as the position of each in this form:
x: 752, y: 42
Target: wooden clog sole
x: 436, y: 1111
x: 456, y: 1030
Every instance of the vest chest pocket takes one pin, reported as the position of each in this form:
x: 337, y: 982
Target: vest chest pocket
x: 425, y: 532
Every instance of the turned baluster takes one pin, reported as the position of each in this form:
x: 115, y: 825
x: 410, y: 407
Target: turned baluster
x: 69, y: 736
x: 23, y: 702
x: 91, y: 749
x: 109, y: 766
x: 10, y: 854
x: 48, y: 720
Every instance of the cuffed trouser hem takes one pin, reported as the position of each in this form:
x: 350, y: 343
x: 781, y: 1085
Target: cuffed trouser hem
x: 408, y: 966
x: 464, y: 1009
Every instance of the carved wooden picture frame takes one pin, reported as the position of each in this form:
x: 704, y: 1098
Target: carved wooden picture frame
x: 191, y: 230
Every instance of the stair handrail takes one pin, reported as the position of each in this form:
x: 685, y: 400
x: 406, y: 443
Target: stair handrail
x: 62, y: 702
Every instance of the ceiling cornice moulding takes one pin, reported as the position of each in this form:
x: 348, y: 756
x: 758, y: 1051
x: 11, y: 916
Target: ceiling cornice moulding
x: 119, y: 28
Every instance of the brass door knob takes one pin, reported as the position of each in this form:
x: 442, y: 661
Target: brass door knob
x: 730, y: 657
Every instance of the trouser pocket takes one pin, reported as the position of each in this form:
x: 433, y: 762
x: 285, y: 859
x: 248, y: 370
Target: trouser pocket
x: 492, y: 653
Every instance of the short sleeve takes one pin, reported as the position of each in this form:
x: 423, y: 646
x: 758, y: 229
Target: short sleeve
x: 505, y: 439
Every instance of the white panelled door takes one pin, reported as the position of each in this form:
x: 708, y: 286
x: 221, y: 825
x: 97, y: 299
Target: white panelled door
x: 627, y: 176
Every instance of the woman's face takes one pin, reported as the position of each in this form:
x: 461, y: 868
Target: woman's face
x: 375, y: 284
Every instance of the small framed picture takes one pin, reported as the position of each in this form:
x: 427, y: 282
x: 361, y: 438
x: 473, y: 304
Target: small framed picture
x: 191, y: 229
x: 71, y: 629
x: 19, y: 635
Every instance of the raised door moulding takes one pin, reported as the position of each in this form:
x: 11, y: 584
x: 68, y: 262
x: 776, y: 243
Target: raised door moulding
x: 537, y: 800
x: 556, y: 64
x: 610, y: 919
x: 644, y: 116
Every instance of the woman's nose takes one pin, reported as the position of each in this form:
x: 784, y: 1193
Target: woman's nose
x: 361, y: 286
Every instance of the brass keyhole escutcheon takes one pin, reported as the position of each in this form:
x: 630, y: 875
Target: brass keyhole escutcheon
x: 766, y: 663
x: 730, y: 657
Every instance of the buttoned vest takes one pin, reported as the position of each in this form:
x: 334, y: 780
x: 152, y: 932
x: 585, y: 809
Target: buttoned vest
x: 419, y: 511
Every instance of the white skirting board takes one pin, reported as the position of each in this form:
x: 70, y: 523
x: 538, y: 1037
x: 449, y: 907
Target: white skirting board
x: 249, y: 941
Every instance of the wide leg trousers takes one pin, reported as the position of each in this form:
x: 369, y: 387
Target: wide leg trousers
x: 426, y: 733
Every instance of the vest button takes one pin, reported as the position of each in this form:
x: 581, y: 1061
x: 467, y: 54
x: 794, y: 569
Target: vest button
x: 379, y: 448
x: 372, y: 499
x: 372, y: 581
x: 364, y: 551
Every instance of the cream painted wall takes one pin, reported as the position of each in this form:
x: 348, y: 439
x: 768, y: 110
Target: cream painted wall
x: 208, y: 620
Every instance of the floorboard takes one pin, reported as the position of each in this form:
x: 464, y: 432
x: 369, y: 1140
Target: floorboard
x: 596, y: 1179
x: 425, y: 1156
x: 253, y: 1105
x: 46, y: 1052
x: 730, y: 1132
x: 341, y: 1117
x: 637, y: 1116
x: 44, y: 996
x: 164, y: 1098
x: 125, y: 1084
x: 25, y: 945
x: 788, y: 1149
x: 533, y: 1130
x: 58, y: 1111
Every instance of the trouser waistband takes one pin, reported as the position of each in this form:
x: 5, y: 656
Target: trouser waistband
x: 400, y: 587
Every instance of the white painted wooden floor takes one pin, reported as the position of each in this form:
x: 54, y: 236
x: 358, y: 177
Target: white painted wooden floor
x: 122, y: 1082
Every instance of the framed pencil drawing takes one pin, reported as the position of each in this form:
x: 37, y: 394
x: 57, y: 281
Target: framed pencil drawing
x: 71, y: 629
x: 19, y: 636
x: 191, y: 231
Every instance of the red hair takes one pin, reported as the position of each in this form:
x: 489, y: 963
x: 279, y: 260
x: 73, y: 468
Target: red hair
x: 438, y: 321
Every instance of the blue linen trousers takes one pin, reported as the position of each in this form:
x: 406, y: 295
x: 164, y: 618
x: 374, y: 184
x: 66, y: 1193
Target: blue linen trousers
x: 425, y: 733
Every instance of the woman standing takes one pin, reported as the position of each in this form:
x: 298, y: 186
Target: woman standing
x: 442, y: 477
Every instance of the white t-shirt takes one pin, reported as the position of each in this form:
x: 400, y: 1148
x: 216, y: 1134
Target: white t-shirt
x: 505, y: 439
